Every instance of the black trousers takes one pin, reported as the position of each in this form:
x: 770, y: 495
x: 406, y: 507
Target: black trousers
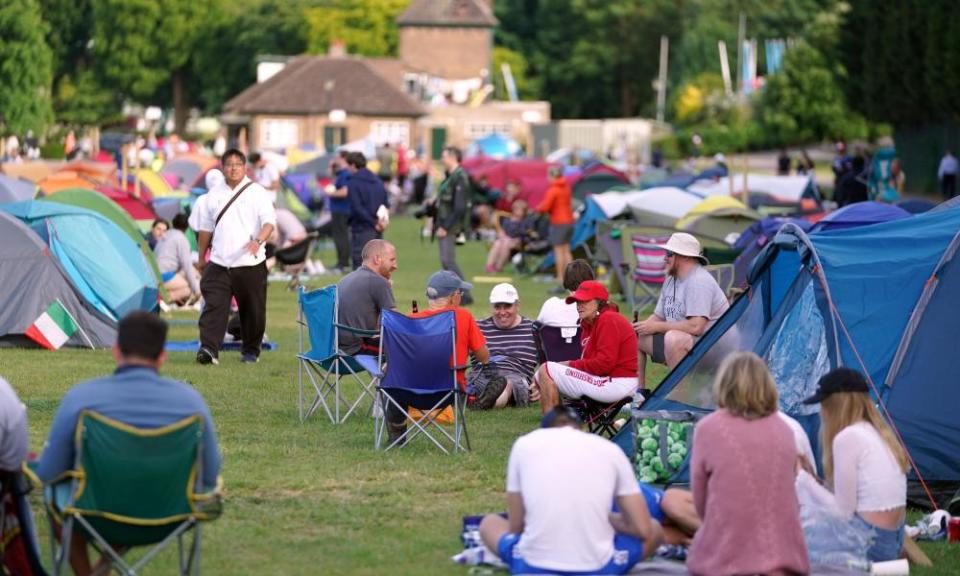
x: 248, y: 284
x: 358, y: 239
x: 340, y: 228
x: 948, y: 186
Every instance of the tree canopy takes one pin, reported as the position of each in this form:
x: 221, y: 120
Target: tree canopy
x: 26, y: 68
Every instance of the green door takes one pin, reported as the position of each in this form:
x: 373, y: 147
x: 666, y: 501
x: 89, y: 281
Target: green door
x: 334, y: 136
x: 438, y: 139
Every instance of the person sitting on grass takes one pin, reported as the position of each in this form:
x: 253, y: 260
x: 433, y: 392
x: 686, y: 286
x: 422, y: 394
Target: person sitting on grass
x: 561, y: 485
x: 863, y: 462
x: 743, y: 468
x: 135, y: 395
x: 607, y: 369
x: 510, y: 337
x: 175, y: 262
x: 512, y: 232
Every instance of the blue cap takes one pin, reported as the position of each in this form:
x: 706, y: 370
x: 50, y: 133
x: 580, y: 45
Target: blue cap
x: 444, y: 283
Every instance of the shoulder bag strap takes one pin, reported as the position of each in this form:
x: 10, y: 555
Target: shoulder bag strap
x: 230, y: 203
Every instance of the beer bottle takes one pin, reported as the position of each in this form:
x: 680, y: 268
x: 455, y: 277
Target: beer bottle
x: 415, y: 307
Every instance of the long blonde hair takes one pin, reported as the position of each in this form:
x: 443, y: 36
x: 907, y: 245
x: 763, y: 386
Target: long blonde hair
x: 744, y: 387
x: 842, y: 409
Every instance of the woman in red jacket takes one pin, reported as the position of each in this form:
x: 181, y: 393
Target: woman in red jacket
x: 607, y: 369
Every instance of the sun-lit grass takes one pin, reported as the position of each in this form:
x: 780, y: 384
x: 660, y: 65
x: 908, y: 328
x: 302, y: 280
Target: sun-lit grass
x: 315, y: 498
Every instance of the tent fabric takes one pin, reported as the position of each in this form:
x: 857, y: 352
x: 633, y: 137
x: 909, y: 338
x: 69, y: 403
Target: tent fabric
x: 710, y: 205
x: 113, y: 212
x: 16, y: 189
x: 104, y: 264
x: 33, y: 279
x: 860, y: 214
x: 153, y: 182
x: 531, y: 174
x: 787, y: 189
x: 188, y: 169
x: 495, y: 146
x: 319, y: 166
x: 596, y: 183
x: 137, y: 208
x: 916, y: 205
x: 663, y: 206
x: 847, y: 297
x: 66, y: 179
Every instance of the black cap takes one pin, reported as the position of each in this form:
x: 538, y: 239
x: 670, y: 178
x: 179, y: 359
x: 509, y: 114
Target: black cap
x: 549, y: 419
x: 839, y: 380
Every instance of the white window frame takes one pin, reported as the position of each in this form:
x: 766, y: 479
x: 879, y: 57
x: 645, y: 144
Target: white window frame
x: 475, y: 130
x: 390, y: 132
x: 279, y: 133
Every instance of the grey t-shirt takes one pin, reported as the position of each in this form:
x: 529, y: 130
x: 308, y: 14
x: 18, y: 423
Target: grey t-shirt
x: 13, y: 428
x: 363, y: 295
x: 696, y: 295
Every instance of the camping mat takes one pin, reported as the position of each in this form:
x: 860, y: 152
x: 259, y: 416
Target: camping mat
x: 194, y: 345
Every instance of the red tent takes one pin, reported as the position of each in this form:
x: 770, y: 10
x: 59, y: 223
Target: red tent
x: 530, y: 174
x: 138, y: 209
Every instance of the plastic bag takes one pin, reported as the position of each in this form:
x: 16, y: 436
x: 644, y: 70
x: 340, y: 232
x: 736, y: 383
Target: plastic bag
x: 833, y: 539
x: 662, y: 444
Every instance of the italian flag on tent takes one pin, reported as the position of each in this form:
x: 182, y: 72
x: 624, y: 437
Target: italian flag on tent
x: 53, y: 328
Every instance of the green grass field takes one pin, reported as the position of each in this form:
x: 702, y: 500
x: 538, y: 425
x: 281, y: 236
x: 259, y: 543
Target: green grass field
x: 315, y: 498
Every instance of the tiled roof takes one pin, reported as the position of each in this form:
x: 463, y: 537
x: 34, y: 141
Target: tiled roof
x: 318, y: 84
x: 471, y: 13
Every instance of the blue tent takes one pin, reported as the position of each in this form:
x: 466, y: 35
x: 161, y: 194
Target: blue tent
x: 496, y: 146
x: 877, y: 298
x: 105, y: 265
x: 860, y: 214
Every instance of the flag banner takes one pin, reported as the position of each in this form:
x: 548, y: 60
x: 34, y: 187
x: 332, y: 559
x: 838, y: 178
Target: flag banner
x: 53, y: 328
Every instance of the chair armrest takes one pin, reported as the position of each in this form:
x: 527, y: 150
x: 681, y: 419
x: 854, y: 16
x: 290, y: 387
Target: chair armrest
x: 357, y: 331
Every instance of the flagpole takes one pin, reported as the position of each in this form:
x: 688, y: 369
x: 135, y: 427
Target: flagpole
x: 79, y: 327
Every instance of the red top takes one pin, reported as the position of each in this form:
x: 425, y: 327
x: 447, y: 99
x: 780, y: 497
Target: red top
x: 558, y: 202
x: 609, y: 346
x: 469, y: 337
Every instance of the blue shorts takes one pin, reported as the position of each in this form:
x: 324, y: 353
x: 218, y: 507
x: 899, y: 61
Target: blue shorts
x: 653, y: 496
x: 887, y: 545
x: 627, y: 551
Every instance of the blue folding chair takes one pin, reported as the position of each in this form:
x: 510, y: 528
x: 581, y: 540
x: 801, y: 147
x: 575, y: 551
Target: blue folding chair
x: 420, y: 373
x: 324, y: 364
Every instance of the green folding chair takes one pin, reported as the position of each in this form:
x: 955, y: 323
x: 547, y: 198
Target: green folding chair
x: 134, y: 487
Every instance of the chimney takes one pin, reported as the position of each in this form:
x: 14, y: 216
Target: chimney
x: 338, y: 49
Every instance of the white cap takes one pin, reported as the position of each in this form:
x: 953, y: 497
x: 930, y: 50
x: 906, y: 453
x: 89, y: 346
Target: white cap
x: 504, y: 294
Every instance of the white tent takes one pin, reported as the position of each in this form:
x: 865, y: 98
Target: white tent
x: 663, y: 206
x: 780, y: 188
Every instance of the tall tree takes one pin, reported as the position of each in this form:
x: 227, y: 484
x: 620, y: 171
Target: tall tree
x: 26, y: 68
x: 367, y: 27
x: 144, y: 45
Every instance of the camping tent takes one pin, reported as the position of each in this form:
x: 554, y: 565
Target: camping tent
x: 860, y: 214
x: 876, y: 298
x: 33, y: 280
x: 188, y: 170
x: 718, y: 216
x: 65, y: 179
x: 111, y: 211
x: 662, y: 206
x: 15, y: 189
x: 495, y: 146
x: 530, y: 174
x: 104, y: 264
x: 763, y: 189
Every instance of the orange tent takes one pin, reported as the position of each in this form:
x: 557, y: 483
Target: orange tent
x: 65, y: 179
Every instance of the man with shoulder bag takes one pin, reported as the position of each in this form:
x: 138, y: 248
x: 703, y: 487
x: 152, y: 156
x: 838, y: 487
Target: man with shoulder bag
x: 235, y: 223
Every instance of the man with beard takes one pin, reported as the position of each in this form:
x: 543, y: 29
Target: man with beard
x: 690, y: 302
x: 364, y: 294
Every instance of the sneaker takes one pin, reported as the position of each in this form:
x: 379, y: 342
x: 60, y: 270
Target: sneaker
x: 204, y: 356
x: 487, y: 398
x: 461, y: 239
x: 249, y: 359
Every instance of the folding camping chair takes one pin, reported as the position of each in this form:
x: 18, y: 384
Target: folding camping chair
x: 420, y: 374
x: 649, y: 270
x: 120, y: 498
x: 295, y: 256
x: 324, y: 364
x: 559, y: 344
x: 724, y: 275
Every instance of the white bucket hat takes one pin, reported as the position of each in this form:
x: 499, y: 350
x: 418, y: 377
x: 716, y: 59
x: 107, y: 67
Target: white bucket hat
x: 685, y: 245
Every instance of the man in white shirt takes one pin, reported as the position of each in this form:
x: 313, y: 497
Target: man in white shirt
x: 235, y: 222
x: 947, y: 174
x: 690, y: 303
x: 561, y: 486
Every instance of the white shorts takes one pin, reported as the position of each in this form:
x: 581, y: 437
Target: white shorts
x: 574, y: 383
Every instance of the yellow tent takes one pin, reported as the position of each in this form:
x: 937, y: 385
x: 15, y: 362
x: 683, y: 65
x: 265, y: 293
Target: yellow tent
x: 719, y: 217
x: 158, y: 187
x: 711, y: 205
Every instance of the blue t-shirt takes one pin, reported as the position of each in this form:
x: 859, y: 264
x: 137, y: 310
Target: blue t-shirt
x: 340, y: 205
x: 134, y: 395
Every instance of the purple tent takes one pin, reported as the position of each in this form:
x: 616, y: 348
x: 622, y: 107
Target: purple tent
x: 859, y: 214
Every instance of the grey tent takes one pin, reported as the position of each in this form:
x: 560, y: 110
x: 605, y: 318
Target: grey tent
x: 31, y: 279
x: 16, y: 189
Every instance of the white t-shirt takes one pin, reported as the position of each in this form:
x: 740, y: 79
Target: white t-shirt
x: 556, y: 312
x: 240, y: 223
x: 799, y: 438
x: 696, y: 295
x: 568, y: 480
x: 866, y: 476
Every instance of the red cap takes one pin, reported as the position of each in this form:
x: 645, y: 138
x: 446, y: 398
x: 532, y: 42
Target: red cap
x: 589, y: 290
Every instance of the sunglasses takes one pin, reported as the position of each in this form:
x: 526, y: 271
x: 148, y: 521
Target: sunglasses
x: 668, y: 254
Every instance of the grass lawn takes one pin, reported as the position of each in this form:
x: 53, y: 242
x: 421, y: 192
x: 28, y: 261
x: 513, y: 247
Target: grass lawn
x: 315, y: 498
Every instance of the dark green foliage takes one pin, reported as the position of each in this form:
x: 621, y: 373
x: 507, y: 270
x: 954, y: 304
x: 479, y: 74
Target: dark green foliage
x: 26, y: 68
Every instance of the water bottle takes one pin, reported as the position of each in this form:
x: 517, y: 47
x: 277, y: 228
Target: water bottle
x: 415, y: 308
